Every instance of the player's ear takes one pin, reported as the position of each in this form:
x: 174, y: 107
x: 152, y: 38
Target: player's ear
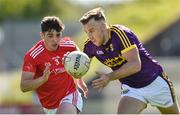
x: 41, y: 34
x: 103, y: 24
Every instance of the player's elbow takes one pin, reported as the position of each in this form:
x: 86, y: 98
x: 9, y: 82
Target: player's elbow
x: 23, y: 88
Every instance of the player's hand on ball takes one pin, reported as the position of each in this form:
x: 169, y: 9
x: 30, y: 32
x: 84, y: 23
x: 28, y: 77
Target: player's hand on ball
x: 46, y: 73
x: 101, y: 82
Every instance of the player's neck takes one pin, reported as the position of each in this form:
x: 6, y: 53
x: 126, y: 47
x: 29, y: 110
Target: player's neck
x: 107, y: 35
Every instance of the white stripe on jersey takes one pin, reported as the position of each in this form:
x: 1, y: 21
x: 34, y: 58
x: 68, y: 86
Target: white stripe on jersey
x: 36, y: 51
x: 66, y: 41
x: 67, y: 44
x: 75, y: 98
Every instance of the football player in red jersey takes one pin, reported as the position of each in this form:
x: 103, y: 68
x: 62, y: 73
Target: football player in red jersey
x: 44, y: 72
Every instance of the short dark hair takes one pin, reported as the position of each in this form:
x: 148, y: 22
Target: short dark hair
x: 97, y: 14
x: 51, y: 22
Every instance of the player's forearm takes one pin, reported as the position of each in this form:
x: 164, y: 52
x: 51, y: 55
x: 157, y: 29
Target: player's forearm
x: 29, y: 85
x: 126, y: 70
x: 80, y: 82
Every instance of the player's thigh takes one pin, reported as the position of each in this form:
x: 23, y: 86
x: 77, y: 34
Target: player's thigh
x: 174, y: 109
x: 71, y: 101
x: 130, y: 105
x: 67, y: 108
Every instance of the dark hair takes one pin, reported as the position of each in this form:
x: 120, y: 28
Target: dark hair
x: 97, y: 14
x: 51, y: 22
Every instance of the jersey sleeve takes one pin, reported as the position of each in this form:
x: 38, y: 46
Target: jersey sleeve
x: 29, y: 64
x: 88, y: 49
x: 68, y: 44
x: 125, y: 37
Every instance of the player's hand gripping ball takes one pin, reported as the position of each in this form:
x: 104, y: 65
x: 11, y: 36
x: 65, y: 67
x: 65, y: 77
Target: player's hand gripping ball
x: 76, y: 63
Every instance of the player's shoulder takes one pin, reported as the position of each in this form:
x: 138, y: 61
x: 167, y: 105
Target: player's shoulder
x: 119, y: 27
x: 67, y: 42
x: 88, y: 45
x: 88, y: 42
x: 36, y: 50
x: 66, y: 39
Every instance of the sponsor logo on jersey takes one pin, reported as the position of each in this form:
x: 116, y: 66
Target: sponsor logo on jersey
x: 99, y: 52
x: 58, y: 70
x: 116, y: 61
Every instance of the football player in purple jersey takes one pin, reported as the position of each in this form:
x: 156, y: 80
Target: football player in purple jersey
x: 142, y: 78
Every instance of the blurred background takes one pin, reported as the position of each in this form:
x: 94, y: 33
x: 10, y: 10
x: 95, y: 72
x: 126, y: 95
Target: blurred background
x: 155, y: 22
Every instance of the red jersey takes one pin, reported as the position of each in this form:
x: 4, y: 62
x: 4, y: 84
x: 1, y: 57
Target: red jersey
x: 60, y: 83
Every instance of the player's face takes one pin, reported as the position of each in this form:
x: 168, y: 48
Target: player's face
x: 95, y: 31
x: 51, y: 39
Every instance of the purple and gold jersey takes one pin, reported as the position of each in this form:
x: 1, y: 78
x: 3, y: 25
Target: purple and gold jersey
x: 122, y: 40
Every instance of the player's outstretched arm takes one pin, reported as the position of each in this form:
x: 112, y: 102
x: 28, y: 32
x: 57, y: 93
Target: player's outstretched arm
x: 82, y: 85
x: 28, y: 83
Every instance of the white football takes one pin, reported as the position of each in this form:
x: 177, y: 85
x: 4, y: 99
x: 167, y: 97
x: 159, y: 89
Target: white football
x: 77, y: 64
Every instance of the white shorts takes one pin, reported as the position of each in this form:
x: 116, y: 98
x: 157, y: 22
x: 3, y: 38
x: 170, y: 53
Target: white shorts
x: 73, y: 98
x: 159, y: 93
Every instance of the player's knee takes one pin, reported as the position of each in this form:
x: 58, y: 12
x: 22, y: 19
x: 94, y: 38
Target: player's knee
x: 67, y: 108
